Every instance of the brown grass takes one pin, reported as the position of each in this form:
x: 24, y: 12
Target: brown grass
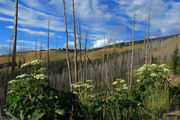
x: 169, y: 49
x: 98, y: 54
x: 31, y: 56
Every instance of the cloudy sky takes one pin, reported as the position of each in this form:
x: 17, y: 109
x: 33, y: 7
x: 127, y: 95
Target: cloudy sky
x: 107, y: 21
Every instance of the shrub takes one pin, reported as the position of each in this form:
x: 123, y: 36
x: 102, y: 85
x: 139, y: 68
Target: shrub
x: 31, y: 98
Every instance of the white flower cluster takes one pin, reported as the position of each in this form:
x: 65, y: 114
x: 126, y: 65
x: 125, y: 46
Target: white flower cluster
x: 34, y: 62
x: 40, y: 76
x: 120, y: 84
x: 21, y: 76
x: 12, y: 81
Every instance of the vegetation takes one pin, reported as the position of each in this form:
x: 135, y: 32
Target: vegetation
x: 176, y: 61
x: 31, y: 98
x: 114, y: 82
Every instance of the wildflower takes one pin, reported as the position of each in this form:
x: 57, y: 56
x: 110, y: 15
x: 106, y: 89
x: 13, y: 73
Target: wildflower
x: 21, y: 76
x: 153, y: 75
x: 141, y: 69
x: 34, y: 62
x: 115, y: 83
x: 138, y: 80
x: 162, y: 65
x: 12, y: 81
x: 166, y: 70
x: 42, y: 70
x: 125, y: 88
x: 153, y: 65
x: 122, y: 81
x: 89, y: 81
x: 39, y: 76
x: 10, y: 92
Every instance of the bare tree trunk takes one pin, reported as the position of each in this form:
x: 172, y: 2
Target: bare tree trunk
x: 36, y: 49
x: 3, y: 88
x: 103, y: 62
x: 48, y: 57
x: 75, y: 44
x: 80, y: 50
x: 132, y: 53
x: 67, y: 48
x: 15, y: 39
x: 86, y: 40
x: 114, y: 60
x: 40, y: 52
x: 56, y: 49
x: 148, y: 34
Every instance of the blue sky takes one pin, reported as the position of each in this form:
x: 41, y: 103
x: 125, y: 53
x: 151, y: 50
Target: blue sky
x: 109, y: 19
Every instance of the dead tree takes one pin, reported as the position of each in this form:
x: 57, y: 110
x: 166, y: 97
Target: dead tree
x: 15, y: 39
x: 48, y: 44
x: 148, y: 36
x: 132, y: 52
x: 85, y: 56
x: 3, y: 88
x: 36, y: 48
x: 67, y: 47
x: 56, y: 49
x: 75, y: 44
x: 41, y: 50
x: 80, y: 50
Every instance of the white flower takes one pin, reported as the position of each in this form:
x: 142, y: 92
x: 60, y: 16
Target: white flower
x: 153, y: 65
x: 89, y: 81
x: 125, y: 88
x: 39, y: 76
x: 162, y: 65
x: 12, y: 81
x: 153, y: 75
x: 125, y: 85
x: 166, y: 70
x: 122, y: 81
x: 115, y: 83
x: 138, y: 80
x: 21, y: 76
x: 34, y: 62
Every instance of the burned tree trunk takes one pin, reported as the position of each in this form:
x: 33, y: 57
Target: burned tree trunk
x: 67, y: 48
x: 75, y: 44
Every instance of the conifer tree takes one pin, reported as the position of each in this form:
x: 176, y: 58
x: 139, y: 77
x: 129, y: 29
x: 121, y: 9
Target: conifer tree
x: 175, y: 58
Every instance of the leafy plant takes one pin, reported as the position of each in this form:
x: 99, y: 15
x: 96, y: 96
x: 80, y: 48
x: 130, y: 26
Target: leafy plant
x: 175, y: 61
x: 31, y: 98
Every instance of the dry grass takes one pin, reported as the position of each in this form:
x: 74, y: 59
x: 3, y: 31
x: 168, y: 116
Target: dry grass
x: 176, y: 81
x: 166, y: 50
x: 31, y: 56
x: 98, y: 54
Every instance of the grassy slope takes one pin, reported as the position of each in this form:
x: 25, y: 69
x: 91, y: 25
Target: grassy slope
x: 31, y: 56
x: 169, y: 49
x: 97, y: 54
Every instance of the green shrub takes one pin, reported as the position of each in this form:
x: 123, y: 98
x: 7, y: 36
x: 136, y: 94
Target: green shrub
x: 31, y: 98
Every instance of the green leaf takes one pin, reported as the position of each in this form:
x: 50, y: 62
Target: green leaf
x: 60, y: 111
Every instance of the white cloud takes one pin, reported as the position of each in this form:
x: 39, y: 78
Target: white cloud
x: 6, y: 19
x: 29, y: 17
x: 32, y: 32
x: 104, y: 42
x: 28, y: 43
x: 4, y: 49
x: 70, y: 45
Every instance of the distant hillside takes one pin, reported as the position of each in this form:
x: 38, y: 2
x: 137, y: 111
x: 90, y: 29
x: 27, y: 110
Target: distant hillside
x: 162, y: 46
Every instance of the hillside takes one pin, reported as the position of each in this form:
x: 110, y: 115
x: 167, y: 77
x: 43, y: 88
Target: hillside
x: 163, y: 46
